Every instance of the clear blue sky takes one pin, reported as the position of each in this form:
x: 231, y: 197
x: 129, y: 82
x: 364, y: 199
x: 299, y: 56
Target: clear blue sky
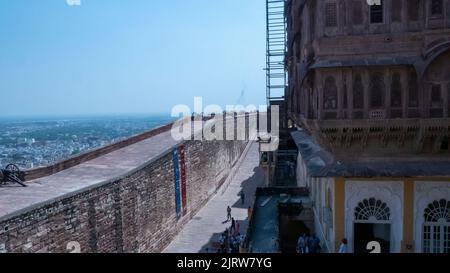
x: 129, y: 56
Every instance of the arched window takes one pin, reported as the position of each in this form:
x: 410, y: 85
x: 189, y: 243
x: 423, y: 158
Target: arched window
x: 438, y: 211
x: 372, y: 210
x: 396, y: 91
x: 436, y: 230
x: 413, y: 100
x: 396, y: 96
x: 330, y: 14
x: 437, y: 7
x: 397, y: 7
x: 413, y: 9
x: 358, y: 97
x: 377, y: 12
x: 377, y: 91
x: 436, y: 107
x: 357, y: 18
x: 358, y: 93
x: 330, y: 94
x: 436, y: 95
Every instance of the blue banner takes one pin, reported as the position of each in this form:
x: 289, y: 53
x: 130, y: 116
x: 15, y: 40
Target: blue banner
x: 176, y: 166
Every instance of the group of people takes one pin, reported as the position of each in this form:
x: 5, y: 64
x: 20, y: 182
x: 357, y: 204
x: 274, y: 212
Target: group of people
x: 308, y: 244
x: 311, y: 244
x: 230, y: 242
x: 231, y: 238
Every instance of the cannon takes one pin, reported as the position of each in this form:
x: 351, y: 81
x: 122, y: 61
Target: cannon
x: 11, y: 174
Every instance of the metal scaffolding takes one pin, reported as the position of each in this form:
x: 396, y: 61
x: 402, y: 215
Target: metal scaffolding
x: 276, y: 50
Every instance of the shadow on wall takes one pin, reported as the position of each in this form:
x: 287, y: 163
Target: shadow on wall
x: 249, y: 187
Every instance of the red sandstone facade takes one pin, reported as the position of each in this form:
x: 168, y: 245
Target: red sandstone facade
x: 384, y: 70
x: 369, y: 88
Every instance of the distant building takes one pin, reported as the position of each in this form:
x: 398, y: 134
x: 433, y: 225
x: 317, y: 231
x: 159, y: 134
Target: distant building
x: 369, y: 86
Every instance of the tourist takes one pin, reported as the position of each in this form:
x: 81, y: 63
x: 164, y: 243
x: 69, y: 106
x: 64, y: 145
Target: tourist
x: 237, y: 229
x: 233, y: 226
x: 313, y: 244
x: 241, y: 239
x: 307, y: 239
x: 234, y: 245
x: 343, y: 247
x: 222, y: 241
x: 301, y: 244
x: 242, y: 197
x: 228, y: 213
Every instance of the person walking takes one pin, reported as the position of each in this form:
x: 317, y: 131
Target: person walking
x: 228, y: 213
x: 313, y: 244
x: 233, y: 226
x: 343, y: 248
x: 301, y: 244
x: 237, y: 229
x: 242, y: 197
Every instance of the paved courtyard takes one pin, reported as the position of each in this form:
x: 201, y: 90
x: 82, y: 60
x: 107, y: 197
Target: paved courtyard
x: 205, y: 228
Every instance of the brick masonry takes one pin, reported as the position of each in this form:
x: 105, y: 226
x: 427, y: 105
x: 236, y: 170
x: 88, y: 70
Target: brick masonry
x: 136, y: 213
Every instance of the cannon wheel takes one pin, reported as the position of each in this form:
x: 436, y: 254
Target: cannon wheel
x: 14, y: 174
x: 13, y: 169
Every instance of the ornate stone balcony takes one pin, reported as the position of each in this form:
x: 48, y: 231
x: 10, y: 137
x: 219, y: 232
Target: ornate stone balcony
x: 346, y: 133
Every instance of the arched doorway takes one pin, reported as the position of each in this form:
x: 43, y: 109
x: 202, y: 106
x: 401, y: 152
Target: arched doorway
x: 436, y: 229
x: 372, y: 222
x: 437, y: 80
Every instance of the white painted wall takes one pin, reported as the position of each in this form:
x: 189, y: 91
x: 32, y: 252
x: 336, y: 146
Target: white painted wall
x: 426, y: 192
x: 390, y: 192
x: 324, y: 230
x: 302, y: 174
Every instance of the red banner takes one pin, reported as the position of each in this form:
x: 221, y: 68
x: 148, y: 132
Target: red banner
x: 181, y: 150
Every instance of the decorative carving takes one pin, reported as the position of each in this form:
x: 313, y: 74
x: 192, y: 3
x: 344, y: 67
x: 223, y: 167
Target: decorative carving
x: 390, y: 193
x: 372, y: 208
x: 425, y: 193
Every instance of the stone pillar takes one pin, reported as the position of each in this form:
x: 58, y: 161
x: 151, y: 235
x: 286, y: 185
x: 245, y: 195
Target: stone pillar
x: 366, y: 83
x: 445, y: 95
x: 387, y: 96
x: 425, y: 96
x: 350, y: 92
x: 339, y: 212
x: 405, y: 98
x: 340, y: 93
x: 408, y: 217
x: 319, y: 90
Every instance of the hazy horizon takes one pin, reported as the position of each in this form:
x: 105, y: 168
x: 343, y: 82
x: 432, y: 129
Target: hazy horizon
x: 129, y: 58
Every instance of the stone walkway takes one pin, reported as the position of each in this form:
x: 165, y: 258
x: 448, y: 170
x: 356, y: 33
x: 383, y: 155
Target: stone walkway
x: 205, y: 228
x: 14, y: 199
